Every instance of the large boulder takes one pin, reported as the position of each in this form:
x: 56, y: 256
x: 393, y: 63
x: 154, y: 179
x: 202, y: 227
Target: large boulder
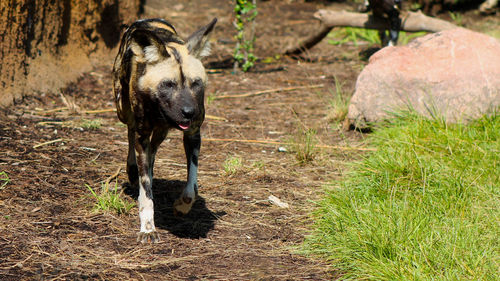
x: 453, y: 74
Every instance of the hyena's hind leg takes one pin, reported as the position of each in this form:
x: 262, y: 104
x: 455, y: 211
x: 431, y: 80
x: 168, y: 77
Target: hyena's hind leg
x: 395, y: 26
x: 132, y: 171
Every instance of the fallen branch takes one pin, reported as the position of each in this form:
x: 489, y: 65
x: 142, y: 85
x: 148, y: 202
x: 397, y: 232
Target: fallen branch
x: 309, y: 42
x: 47, y: 142
x: 257, y: 93
x: 286, y: 143
x: 411, y: 22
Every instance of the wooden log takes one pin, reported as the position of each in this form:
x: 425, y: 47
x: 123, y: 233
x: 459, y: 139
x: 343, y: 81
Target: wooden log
x: 411, y: 22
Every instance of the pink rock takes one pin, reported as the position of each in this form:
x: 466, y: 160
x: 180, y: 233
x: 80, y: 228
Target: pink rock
x: 454, y: 74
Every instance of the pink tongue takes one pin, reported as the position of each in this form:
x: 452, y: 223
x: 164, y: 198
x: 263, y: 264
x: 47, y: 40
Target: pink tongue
x: 184, y: 127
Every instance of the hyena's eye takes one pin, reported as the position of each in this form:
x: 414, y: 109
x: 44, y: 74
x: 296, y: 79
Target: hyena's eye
x: 196, y: 84
x: 167, y: 84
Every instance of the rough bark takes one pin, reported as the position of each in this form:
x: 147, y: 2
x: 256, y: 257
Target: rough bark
x: 411, y: 22
x: 45, y: 44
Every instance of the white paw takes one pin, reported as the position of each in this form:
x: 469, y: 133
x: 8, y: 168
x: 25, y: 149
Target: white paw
x: 183, y: 205
x: 145, y: 237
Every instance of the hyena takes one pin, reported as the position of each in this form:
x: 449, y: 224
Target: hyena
x: 387, y: 10
x: 159, y: 83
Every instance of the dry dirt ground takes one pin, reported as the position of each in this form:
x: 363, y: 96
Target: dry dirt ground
x: 49, y: 230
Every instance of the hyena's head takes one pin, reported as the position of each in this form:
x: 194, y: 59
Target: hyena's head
x: 169, y: 72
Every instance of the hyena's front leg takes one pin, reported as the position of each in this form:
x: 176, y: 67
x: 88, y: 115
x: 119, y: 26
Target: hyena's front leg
x: 146, y: 206
x: 192, y: 144
x: 156, y: 139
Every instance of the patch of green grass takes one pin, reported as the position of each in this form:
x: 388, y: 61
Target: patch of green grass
x: 304, y: 145
x: 232, y: 165
x: 259, y: 165
x: 4, y: 179
x: 90, y: 124
x: 424, y: 206
x: 353, y: 35
x: 338, y: 104
x: 120, y: 125
x: 110, y: 199
x: 457, y: 18
x: 406, y: 37
x: 210, y: 98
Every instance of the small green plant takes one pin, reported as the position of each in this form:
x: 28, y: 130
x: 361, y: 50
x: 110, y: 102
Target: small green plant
x: 110, y: 200
x: 304, y: 145
x: 232, y: 165
x: 4, y: 179
x: 210, y: 98
x: 274, y: 59
x: 457, y: 18
x: 120, y: 125
x: 415, y: 6
x: 259, y: 165
x: 90, y: 124
x: 245, y: 14
x: 338, y: 104
x: 406, y: 37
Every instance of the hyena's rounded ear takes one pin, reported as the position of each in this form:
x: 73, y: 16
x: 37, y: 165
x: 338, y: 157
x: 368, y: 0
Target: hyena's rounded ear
x: 198, y: 44
x: 147, y: 47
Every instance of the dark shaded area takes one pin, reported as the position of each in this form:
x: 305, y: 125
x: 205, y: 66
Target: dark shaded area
x: 435, y: 7
x: 110, y: 25
x: 29, y: 26
x: 365, y: 54
x: 140, y: 11
x: 226, y: 63
x: 66, y: 24
x: 196, y: 224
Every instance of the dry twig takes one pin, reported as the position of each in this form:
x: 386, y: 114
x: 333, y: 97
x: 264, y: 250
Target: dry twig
x: 47, y: 142
x: 110, y: 178
x: 269, y: 91
x: 100, y: 111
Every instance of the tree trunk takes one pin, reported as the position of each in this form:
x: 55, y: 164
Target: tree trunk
x: 44, y: 44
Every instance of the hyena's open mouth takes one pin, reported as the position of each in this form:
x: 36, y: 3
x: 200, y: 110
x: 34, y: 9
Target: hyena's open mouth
x: 184, y: 126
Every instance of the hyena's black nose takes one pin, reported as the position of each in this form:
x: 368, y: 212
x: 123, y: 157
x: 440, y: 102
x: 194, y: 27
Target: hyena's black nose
x: 188, y: 112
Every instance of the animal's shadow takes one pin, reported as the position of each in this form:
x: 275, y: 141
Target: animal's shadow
x: 196, y: 224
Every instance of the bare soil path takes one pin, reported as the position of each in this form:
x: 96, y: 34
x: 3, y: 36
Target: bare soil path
x: 48, y: 230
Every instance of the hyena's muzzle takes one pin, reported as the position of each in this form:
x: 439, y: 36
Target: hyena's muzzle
x: 159, y: 84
